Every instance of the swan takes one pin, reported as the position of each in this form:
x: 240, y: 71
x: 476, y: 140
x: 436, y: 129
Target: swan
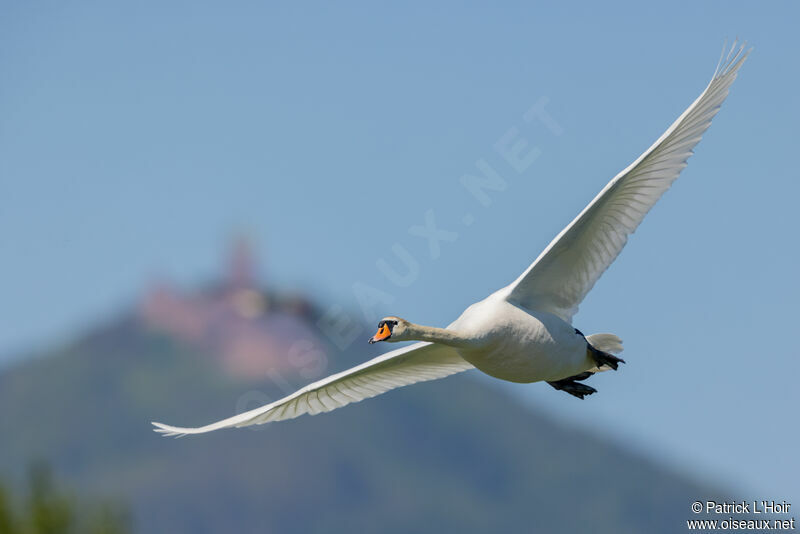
x: 523, y: 332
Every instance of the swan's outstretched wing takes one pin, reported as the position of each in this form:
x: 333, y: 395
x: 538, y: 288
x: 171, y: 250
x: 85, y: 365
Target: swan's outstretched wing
x: 416, y: 363
x: 564, y: 273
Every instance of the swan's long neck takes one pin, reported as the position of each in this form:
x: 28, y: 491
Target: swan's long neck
x: 420, y: 332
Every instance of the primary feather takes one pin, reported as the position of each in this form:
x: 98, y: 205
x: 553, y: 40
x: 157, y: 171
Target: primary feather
x: 562, y: 275
x: 416, y: 363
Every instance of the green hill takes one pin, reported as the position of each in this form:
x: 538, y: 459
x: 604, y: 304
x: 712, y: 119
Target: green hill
x: 456, y: 455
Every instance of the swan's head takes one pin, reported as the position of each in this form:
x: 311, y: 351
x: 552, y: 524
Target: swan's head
x: 391, y: 329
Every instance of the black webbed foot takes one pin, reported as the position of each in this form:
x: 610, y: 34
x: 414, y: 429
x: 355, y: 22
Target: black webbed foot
x: 572, y: 385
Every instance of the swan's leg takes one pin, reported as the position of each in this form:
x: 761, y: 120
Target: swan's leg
x: 600, y: 357
x: 603, y: 358
x: 572, y: 385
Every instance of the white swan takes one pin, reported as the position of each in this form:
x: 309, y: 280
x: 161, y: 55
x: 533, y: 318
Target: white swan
x: 523, y: 332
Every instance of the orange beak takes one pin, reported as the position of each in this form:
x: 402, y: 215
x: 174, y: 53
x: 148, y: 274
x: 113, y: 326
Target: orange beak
x: 383, y: 333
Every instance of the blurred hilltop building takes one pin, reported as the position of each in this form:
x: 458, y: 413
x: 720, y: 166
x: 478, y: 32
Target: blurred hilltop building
x: 254, y: 332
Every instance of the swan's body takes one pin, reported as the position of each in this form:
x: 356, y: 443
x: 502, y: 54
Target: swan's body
x: 523, y: 332
x: 520, y: 345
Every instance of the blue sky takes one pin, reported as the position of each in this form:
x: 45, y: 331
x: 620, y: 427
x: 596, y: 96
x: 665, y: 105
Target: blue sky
x: 135, y: 140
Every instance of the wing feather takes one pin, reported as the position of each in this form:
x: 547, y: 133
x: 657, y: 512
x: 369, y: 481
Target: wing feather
x: 416, y: 363
x: 572, y: 263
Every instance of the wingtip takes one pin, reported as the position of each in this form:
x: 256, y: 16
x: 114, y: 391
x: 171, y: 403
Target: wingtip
x: 730, y: 62
x: 167, y: 431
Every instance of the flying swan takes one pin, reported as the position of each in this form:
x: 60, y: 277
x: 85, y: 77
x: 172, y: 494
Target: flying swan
x: 523, y: 332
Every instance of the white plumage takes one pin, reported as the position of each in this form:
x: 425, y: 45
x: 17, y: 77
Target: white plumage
x: 523, y: 332
x: 416, y: 363
x: 568, y: 268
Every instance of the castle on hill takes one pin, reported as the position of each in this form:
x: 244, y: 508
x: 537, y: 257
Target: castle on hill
x: 253, y: 333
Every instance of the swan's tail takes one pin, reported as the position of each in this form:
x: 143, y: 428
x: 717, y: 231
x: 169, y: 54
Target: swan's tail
x: 608, y: 343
